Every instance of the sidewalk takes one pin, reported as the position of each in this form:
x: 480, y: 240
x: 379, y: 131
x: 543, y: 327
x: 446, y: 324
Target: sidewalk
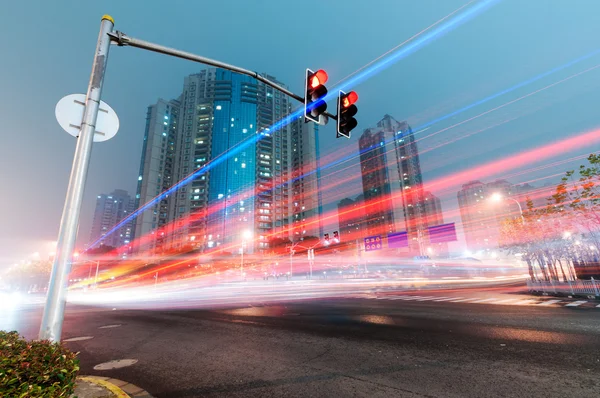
x: 105, y: 387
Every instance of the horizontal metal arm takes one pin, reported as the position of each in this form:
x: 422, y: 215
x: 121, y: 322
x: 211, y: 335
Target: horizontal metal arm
x: 123, y: 40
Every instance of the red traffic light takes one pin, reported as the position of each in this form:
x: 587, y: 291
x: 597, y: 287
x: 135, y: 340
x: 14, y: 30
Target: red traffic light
x: 349, y: 99
x: 319, y: 78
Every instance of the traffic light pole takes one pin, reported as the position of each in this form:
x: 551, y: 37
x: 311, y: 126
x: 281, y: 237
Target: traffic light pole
x: 52, y: 319
x: 54, y: 310
x: 123, y: 40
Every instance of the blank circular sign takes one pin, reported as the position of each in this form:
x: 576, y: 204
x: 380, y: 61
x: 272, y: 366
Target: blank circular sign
x: 69, y: 113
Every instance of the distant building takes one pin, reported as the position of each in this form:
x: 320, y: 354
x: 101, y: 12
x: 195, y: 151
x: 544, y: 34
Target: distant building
x: 156, y: 173
x: 481, y: 215
x: 351, y: 216
x: 379, y: 208
x: 538, y: 195
x: 478, y: 219
x: 432, y: 209
x: 393, y: 183
x: 410, y: 179
x: 110, y: 210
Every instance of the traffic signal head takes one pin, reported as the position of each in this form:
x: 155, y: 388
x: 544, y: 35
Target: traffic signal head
x: 336, y: 237
x: 314, y: 103
x: 345, y: 113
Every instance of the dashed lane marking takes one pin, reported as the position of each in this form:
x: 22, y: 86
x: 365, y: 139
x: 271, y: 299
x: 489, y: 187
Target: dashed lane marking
x: 449, y: 298
x: 576, y: 304
x: 463, y: 300
x: 495, y: 301
x: 483, y: 300
x: 550, y: 302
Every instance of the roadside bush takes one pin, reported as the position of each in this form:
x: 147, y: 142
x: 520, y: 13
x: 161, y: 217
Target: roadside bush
x: 31, y: 369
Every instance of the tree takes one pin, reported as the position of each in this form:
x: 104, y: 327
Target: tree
x: 566, y: 230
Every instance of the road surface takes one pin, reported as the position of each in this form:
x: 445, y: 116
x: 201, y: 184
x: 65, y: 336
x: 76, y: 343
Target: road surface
x: 438, y: 343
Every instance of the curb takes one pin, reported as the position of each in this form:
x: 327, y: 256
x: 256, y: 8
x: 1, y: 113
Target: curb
x: 120, y: 388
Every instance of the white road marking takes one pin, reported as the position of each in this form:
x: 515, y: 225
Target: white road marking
x: 475, y: 300
x: 79, y: 338
x: 525, y: 302
x: 427, y: 298
x: 483, y: 300
x: 437, y: 298
x: 109, y: 326
x: 576, y: 304
x: 449, y: 298
x: 550, y: 302
x: 116, y: 364
x: 506, y: 301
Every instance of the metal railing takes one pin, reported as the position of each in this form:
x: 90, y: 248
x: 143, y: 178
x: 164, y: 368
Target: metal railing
x: 582, y: 287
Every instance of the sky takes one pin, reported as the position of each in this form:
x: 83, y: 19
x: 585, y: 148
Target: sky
x: 50, y: 48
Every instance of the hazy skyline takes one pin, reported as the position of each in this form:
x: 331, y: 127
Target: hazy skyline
x: 50, y: 51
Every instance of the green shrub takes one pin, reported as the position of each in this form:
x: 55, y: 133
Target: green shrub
x: 35, y: 368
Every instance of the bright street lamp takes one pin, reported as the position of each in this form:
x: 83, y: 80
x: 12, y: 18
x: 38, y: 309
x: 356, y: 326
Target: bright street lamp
x: 498, y: 197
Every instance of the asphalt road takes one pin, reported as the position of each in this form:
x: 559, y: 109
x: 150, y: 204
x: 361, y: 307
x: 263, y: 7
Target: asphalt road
x: 381, y: 346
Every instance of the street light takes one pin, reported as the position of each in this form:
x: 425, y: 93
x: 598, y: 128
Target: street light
x: 498, y: 197
x: 245, y: 236
x: 97, y: 262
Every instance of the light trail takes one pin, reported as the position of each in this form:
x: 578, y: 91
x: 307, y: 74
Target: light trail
x: 354, y: 155
x: 440, y: 31
x: 405, y: 41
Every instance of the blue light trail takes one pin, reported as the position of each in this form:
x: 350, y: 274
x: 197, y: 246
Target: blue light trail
x: 384, y: 63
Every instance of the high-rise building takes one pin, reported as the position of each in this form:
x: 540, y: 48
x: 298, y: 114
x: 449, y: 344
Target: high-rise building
x: 481, y: 215
x: 110, y: 210
x: 351, y: 215
x: 393, y: 184
x: 432, y: 208
x: 379, y: 208
x: 271, y: 181
x: 306, y: 181
x: 410, y: 182
x: 477, y: 216
x: 156, y: 173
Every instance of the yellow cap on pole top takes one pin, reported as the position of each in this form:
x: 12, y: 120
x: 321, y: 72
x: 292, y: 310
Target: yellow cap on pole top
x: 108, y: 17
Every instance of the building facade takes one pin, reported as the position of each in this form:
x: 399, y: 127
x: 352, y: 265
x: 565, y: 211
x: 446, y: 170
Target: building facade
x: 307, y: 202
x: 378, y: 205
x: 393, y: 183
x: 351, y: 216
x: 156, y: 173
x: 483, y: 207
x: 110, y: 210
x: 432, y: 208
x: 244, y: 176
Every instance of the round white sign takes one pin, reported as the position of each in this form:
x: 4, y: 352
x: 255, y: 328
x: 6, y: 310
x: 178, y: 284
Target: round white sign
x: 69, y: 113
